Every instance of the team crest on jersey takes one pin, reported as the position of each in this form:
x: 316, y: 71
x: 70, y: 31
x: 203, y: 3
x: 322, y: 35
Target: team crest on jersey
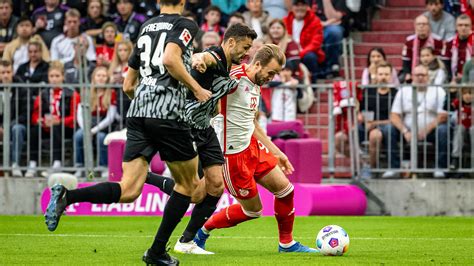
x: 185, y: 37
x: 58, y: 16
x: 243, y: 192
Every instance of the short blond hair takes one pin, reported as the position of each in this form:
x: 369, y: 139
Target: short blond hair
x: 268, y: 52
x: 56, y: 65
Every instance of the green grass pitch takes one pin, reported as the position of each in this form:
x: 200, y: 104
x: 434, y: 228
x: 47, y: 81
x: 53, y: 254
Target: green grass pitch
x: 122, y: 241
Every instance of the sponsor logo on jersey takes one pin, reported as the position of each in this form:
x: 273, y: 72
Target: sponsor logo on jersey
x: 185, y: 37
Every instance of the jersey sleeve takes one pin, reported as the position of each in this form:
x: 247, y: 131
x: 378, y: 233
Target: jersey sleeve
x: 183, y: 33
x: 134, y: 60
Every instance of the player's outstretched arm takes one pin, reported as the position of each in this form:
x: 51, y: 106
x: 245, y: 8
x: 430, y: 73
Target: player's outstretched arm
x: 201, y: 61
x: 130, y: 82
x: 283, y: 161
x: 173, y: 62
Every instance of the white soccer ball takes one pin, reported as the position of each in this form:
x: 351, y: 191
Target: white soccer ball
x: 332, y: 240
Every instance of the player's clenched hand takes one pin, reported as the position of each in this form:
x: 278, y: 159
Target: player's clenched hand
x: 285, y: 164
x: 202, y: 95
x: 198, y: 63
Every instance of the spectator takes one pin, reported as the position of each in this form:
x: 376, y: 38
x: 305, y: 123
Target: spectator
x: 54, y: 114
x: 227, y: 7
x: 197, y: 7
x: 441, y: 22
x: 459, y: 49
x: 36, y: 69
x: 74, y: 70
x: 209, y: 39
x: 119, y: 66
x: 431, y: 120
x: 374, y: 116
x: 49, y: 20
x: 128, y: 22
x: 17, y: 50
x: 468, y: 72
x: 306, y: 30
x: 18, y: 115
x: 278, y: 8
x: 467, y: 8
x: 284, y: 96
x: 62, y: 47
x: 376, y: 57
x: 105, y: 51
x: 331, y: 16
x: 342, y: 109
x: 257, y: 18
x: 235, y: 18
x: 92, y: 24
x: 103, y: 102
x: 7, y: 23
x: 464, y: 125
x: 411, y: 50
x: 436, y: 69
x: 212, y: 15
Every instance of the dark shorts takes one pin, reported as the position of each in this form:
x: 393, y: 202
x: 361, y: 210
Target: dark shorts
x: 208, y: 147
x: 147, y: 136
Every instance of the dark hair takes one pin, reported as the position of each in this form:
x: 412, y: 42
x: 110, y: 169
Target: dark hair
x: 237, y: 15
x: 212, y: 8
x: 376, y: 49
x: 434, y: 2
x: 169, y: 2
x: 429, y: 48
x: 187, y: 13
x: 238, y: 32
x: 6, y: 63
x: 385, y: 64
x: 25, y: 19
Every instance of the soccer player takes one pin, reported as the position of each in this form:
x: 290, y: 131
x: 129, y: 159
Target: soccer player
x: 160, y: 62
x: 218, y: 61
x: 251, y: 157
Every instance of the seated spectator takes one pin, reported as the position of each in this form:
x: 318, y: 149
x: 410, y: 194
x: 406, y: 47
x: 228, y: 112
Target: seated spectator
x: 36, y: 69
x: 17, y: 50
x: 209, y: 39
x: 103, y: 104
x: 279, y: 9
x: 459, y: 49
x: 92, y: 24
x: 73, y: 70
x: 105, y: 51
x: 375, y: 57
x: 212, y: 16
x: 49, y: 20
x: 235, y: 18
x: 411, y: 50
x: 256, y: 18
x: 306, y: 30
x: 331, y: 15
x: 119, y: 66
x: 54, y: 115
x: 441, y: 22
x: 19, y: 115
x: 128, y: 22
x: 464, y: 127
x: 431, y: 120
x: 284, y: 96
x: 62, y: 47
x: 374, y: 115
x: 436, y: 69
x: 7, y: 23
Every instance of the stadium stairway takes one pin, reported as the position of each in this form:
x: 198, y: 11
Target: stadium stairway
x: 390, y: 27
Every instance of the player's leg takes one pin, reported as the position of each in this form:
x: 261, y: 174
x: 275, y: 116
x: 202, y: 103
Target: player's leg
x: 277, y: 183
x: 166, y: 185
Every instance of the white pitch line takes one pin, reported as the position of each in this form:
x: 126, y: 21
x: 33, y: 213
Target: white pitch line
x: 239, y: 237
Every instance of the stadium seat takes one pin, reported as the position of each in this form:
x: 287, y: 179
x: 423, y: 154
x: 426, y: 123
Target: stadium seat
x: 306, y: 157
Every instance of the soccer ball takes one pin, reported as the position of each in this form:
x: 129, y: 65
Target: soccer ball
x: 332, y: 240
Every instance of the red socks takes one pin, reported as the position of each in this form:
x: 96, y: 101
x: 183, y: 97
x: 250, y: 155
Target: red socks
x: 228, y: 217
x: 285, y: 214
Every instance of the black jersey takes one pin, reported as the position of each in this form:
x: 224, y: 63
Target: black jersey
x: 158, y: 94
x: 216, y: 79
x: 54, y: 22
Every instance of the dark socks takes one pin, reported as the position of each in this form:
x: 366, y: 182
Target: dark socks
x: 164, y: 183
x: 106, y: 192
x: 201, y: 213
x: 175, y: 209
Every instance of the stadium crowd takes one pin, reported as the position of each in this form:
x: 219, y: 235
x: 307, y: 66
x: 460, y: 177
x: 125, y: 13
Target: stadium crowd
x: 55, y: 41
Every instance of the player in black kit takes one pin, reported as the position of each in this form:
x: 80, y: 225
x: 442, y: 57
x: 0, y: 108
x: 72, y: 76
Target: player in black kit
x: 218, y: 61
x: 161, y: 62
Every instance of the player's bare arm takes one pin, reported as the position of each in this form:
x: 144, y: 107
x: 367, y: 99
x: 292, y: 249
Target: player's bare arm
x: 283, y: 161
x: 174, y: 64
x: 201, y: 61
x: 130, y: 82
